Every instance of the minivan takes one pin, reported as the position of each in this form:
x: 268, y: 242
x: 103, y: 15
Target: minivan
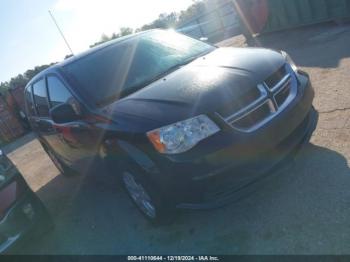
x: 180, y: 122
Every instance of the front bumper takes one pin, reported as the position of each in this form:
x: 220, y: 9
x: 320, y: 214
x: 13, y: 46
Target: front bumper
x: 27, y: 218
x: 237, y: 159
x: 232, y: 182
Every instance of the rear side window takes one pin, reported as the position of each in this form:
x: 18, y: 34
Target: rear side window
x: 40, y: 98
x: 58, y: 93
x: 29, y: 101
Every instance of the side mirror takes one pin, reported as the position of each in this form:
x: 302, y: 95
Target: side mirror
x: 64, y: 113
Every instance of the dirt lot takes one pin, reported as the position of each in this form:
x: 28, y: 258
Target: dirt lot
x: 303, y: 208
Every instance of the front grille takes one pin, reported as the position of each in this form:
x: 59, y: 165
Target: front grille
x: 282, y: 96
x: 272, y: 96
x: 254, y: 117
x: 273, y: 80
x: 244, y: 99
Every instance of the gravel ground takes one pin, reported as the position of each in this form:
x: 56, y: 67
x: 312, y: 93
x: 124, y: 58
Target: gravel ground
x: 302, y: 208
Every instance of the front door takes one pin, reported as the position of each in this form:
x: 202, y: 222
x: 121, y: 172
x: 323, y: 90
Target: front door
x: 76, y: 140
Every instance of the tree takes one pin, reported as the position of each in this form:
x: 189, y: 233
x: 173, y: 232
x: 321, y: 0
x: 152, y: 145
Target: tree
x: 29, y: 74
x: 4, y: 86
x: 123, y: 31
x: 68, y: 56
x: 104, y: 38
x: 196, y: 9
x: 22, y: 79
x: 164, y: 21
x: 19, y: 80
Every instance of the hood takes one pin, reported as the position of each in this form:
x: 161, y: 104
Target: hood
x: 225, y: 76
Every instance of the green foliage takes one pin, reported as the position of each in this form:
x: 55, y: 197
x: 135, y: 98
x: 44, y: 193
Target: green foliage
x: 4, y: 86
x: 22, y: 79
x: 196, y: 9
x: 68, y: 56
x: 124, y: 31
x: 164, y: 21
x: 29, y: 74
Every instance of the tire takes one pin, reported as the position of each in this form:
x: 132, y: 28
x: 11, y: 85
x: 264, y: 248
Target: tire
x: 145, y: 196
x: 63, y: 168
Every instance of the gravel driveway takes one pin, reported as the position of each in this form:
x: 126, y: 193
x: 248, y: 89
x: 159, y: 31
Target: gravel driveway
x: 303, y: 208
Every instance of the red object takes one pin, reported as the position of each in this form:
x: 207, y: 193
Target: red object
x: 254, y: 14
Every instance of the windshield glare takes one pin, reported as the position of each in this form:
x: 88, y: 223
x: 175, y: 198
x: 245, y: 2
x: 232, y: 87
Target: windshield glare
x: 125, y: 67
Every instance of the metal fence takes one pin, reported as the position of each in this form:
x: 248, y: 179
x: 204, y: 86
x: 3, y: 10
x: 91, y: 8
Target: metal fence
x: 217, y: 24
x: 284, y: 14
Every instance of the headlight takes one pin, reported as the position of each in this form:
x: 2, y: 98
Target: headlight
x: 182, y: 136
x: 290, y: 61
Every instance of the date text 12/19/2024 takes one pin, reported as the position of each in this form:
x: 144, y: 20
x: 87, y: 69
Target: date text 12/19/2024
x: 173, y: 258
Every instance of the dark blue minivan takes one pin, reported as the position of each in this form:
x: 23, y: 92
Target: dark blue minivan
x: 180, y: 122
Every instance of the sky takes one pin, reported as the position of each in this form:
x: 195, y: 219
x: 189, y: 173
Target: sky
x: 29, y: 37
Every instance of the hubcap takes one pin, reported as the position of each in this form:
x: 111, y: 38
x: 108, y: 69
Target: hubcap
x: 139, y: 195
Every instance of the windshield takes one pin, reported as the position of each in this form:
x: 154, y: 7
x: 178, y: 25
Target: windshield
x: 126, y: 67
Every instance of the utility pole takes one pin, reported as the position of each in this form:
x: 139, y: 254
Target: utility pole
x: 59, y: 30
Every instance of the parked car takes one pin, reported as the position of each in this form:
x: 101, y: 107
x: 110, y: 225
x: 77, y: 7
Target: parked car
x: 22, y: 214
x: 182, y: 123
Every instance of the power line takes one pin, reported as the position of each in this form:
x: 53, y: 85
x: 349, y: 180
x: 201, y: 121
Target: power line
x: 58, y: 28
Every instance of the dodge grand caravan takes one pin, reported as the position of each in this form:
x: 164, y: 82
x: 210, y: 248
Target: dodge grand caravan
x: 182, y: 123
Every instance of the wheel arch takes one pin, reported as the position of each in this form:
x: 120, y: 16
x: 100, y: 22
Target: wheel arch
x: 138, y: 156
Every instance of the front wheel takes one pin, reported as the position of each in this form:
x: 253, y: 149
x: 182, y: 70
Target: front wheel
x: 145, y: 196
